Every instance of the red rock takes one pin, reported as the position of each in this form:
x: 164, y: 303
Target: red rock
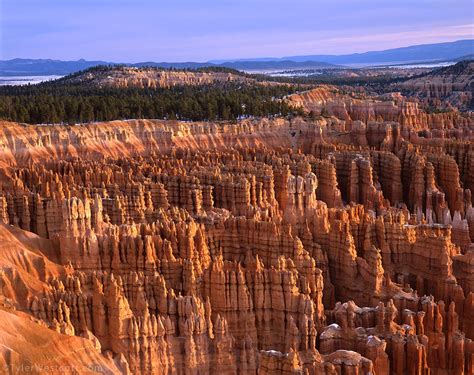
x: 171, y: 247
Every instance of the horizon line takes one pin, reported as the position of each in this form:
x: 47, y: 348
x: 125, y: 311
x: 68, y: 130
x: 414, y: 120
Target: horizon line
x: 220, y: 61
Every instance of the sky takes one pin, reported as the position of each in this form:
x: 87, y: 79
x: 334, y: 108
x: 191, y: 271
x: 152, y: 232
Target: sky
x: 203, y: 30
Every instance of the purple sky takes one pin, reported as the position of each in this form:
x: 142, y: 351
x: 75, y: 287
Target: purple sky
x: 201, y: 30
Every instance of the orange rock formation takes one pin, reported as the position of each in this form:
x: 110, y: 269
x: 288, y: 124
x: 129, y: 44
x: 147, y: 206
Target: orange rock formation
x: 342, y: 245
x: 154, y: 77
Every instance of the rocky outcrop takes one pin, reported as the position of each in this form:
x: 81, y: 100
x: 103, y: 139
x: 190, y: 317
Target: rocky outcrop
x: 121, y: 77
x: 359, y: 110
x: 312, y: 246
x: 451, y: 85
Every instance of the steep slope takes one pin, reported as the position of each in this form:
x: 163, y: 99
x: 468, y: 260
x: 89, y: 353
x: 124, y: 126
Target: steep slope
x: 27, y: 347
x: 453, y: 85
x: 26, y: 344
x: 148, y: 77
x: 265, y: 246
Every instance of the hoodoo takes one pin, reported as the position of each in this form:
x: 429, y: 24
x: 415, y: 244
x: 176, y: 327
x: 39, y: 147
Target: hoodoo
x: 299, y: 215
x: 316, y: 246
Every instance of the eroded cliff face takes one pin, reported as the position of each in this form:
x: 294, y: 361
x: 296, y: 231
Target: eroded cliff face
x: 121, y: 77
x: 452, y: 85
x: 267, y: 246
x: 358, y: 108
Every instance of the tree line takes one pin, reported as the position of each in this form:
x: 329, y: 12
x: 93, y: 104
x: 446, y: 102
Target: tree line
x: 62, y: 102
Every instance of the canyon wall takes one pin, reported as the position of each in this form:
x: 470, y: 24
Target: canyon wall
x: 122, y: 77
x: 340, y: 245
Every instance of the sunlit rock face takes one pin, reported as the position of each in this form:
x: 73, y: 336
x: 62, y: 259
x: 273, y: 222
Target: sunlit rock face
x: 447, y: 87
x: 125, y: 77
x: 337, y: 245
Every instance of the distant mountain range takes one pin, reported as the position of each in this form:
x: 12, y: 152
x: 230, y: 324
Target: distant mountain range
x: 40, y: 67
x: 439, y: 52
x: 418, y: 53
